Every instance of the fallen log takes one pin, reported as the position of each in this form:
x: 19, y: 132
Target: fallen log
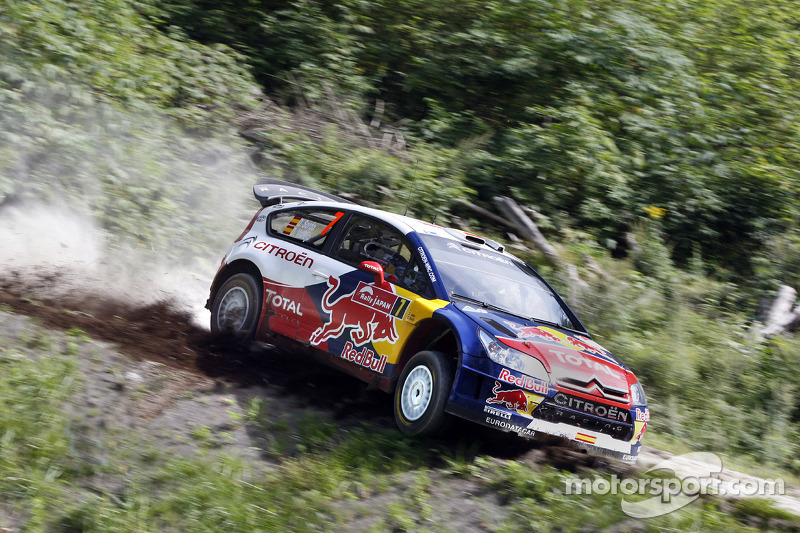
x: 577, y: 287
x: 781, y: 316
x: 528, y: 229
x: 488, y: 214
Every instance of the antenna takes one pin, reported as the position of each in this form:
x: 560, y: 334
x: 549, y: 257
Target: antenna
x: 413, y: 187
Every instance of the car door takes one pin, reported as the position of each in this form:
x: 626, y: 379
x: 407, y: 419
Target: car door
x: 363, y: 322
x: 300, y: 234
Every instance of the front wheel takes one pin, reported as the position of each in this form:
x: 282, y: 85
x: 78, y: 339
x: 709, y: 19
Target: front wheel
x: 421, y: 394
x: 237, y: 306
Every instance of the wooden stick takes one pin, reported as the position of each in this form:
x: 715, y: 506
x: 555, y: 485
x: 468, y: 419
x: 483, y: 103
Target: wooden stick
x: 528, y: 228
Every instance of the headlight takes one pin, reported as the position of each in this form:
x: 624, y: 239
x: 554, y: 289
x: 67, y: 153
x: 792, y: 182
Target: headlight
x: 511, y: 358
x: 637, y: 394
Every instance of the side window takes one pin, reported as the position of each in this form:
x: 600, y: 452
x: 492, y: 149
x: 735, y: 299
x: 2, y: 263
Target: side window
x: 371, y: 240
x: 305, y: 226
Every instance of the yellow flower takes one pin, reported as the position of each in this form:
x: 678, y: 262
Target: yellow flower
x: 655, y: 212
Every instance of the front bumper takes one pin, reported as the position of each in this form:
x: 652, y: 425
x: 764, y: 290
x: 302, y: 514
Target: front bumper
x: 477, y: 397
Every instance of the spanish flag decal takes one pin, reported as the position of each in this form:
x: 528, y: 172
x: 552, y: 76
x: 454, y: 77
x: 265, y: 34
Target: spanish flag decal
x: 585, y: 438
x: 290, y: 227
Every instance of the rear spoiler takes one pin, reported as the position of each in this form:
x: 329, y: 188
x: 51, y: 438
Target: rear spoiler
x: 270, y: 191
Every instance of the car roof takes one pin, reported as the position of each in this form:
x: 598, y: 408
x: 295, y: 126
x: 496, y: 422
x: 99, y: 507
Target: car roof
x: 404, y: 223
x: 274, y: 192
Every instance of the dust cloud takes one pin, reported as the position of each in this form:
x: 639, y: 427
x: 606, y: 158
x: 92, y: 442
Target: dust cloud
x: 101, y: 203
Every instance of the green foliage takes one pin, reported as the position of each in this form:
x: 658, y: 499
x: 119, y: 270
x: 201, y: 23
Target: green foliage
x: 35, y: 466
x: 106, y: 116
x: 589, y: 112
x: 134, y: 173
x: 710, y: 383
x: 112, y: 47
x: 765, y: 509
x: 422, y: 181
x: 42, y: 469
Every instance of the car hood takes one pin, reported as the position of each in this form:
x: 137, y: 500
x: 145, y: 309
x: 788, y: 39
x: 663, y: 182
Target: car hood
x: 576, y: 363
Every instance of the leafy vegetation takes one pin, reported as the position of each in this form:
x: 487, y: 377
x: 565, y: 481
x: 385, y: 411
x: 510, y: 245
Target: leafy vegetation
x: 588, y: 111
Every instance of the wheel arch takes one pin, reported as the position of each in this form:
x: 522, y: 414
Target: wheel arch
x: 432, y: 334
x: 240, y: 266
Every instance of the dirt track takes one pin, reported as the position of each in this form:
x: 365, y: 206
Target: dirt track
x: 161, y: 334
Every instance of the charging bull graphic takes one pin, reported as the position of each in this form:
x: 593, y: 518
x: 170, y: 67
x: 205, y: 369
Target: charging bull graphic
x: 513, y: 399
x: 532, y: 331
x: 369, y: 312
x: 583, y: 344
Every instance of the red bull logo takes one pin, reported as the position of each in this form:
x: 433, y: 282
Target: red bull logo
x: 533, y: 331
x: 365, y: 358
x: 639, y: 435
x: 583, y: 344
x: 369, y: 313
x: 512, y: 399
x: 580, y: 345
x: 526, y: 382
x: 583, y: 360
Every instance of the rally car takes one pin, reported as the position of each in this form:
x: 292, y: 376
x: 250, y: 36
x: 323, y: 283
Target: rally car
x: 449, y: 322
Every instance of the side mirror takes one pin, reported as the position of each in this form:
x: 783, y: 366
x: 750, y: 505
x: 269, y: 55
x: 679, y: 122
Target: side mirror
x: 373, y: 267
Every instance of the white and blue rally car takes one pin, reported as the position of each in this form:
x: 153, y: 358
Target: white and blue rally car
x: 447, y: 321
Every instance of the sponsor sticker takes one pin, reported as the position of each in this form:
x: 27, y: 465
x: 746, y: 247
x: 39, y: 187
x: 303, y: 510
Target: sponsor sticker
x: 502, y: 424
x: 576, y: 359
x: 526, y: 382
x: 517, y: 399
x: 472, y: 251
x: 281, y: 302
x: 593, y: 408
x: 365, y: 358
x: 369, y: 313
x: 579, y: 342
x: 287, y: 255
x: 427, y: 264
x: 494, y: 411
x: 381, y: 300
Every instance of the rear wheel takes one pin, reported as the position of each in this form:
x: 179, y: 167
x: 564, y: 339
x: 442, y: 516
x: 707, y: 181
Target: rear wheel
x: 237, y: 306
x: 422, y: 392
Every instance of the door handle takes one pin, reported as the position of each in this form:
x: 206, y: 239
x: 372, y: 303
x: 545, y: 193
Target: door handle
x: 318, y: 274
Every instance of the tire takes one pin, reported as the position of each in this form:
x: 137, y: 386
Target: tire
x: 421, y: 394
x: 237, y: 307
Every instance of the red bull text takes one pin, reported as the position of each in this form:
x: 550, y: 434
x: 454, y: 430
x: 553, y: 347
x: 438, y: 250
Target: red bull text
x: 365, y: 358
x: 526, y: 382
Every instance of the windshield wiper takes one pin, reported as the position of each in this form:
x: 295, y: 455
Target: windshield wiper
x: 556, y: 325
x: 486, y: 305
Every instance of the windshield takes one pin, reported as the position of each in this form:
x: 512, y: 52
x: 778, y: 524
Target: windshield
x: 497, y: 280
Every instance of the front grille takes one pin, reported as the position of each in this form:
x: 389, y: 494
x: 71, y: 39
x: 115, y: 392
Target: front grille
x: 553, y: 413
x: 594, y: 388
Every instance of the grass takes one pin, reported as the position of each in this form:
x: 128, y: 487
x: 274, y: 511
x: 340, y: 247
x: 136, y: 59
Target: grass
x: 57, y: 476
x: 46, y: 457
